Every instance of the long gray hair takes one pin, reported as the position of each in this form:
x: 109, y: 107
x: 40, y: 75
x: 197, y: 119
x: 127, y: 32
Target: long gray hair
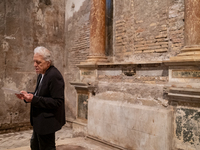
x: 40, y: 50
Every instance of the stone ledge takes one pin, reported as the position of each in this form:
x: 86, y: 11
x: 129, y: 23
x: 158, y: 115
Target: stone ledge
x: 95, y: 65
x: 14, y: 127
x: 184, y: 95
x: 182, y: 62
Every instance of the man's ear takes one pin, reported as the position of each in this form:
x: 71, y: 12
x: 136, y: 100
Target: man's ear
x: 49, y: 63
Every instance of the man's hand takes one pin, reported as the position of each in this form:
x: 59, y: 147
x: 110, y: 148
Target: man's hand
x: 25, y: 96
x: 20, y: 96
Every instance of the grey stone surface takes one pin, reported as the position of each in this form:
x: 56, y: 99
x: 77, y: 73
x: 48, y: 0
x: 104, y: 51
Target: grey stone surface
x: 22, y: 139
x: 64, y: 141
x: 129, y: 125
x: 140, y: 92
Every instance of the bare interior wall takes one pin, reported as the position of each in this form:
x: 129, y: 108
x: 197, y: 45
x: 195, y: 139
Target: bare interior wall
x: 23, y: 26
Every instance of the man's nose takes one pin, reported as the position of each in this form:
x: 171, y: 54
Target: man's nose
x: 35, y: 64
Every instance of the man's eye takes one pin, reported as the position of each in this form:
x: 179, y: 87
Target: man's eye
x: 37, y: 62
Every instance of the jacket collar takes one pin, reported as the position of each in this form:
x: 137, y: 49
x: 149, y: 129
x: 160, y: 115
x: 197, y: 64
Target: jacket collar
x: 47, y: 71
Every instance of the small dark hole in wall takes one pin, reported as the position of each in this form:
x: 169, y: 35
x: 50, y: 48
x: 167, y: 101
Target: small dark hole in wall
x: 73, y: 5
x: 139, y: 66
x: 129, y: 72
x: 93, y: 93
x: 183, y: 20
x: 46, y: 2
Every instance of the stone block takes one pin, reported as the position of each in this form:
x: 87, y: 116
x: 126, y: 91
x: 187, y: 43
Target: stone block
x: 129, y: 125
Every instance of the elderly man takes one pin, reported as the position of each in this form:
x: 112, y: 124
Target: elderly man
x: 47, y: 113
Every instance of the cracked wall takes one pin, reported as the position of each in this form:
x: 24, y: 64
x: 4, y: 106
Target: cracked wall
x: 143, y: 31
x: 23, y: 26
x: 77, y: 31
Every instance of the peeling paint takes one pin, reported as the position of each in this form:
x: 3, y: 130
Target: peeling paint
x: 26, y: 25
x: 187, y: 125
x: 71, y: 7
x: 8, y: 83
x: 5, y: 46
x: 10, y: 37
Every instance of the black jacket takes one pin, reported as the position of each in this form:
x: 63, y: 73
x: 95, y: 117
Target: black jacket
x: 48, y: 107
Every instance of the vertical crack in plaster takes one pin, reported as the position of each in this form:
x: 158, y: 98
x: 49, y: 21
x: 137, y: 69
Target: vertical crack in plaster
x: 5, y: 34
x: 5, y: 16
x: 5, y: 65
x: 12, y: 36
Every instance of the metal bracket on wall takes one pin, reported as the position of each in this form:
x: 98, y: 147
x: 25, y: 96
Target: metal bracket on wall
x: 129, y: 71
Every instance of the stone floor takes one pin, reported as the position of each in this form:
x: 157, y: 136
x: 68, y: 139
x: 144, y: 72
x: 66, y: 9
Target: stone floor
x: 64, y: 141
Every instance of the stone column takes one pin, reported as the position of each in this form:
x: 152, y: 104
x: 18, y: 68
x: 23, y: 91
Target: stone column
x: 192, y: 30
x: 97, y: 32
x: 192, y: 22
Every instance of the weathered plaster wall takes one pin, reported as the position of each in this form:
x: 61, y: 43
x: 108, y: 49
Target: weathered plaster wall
x: 143, y: 31
x: 144, y: 82
x: 77, y: 47
x: 185, y: 87
x: 146, y: 86
x: 72, y: 6
x: 23, y: 26
x: 187, y: 120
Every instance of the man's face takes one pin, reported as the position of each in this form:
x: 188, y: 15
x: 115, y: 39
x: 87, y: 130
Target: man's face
x: 40, y: 64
